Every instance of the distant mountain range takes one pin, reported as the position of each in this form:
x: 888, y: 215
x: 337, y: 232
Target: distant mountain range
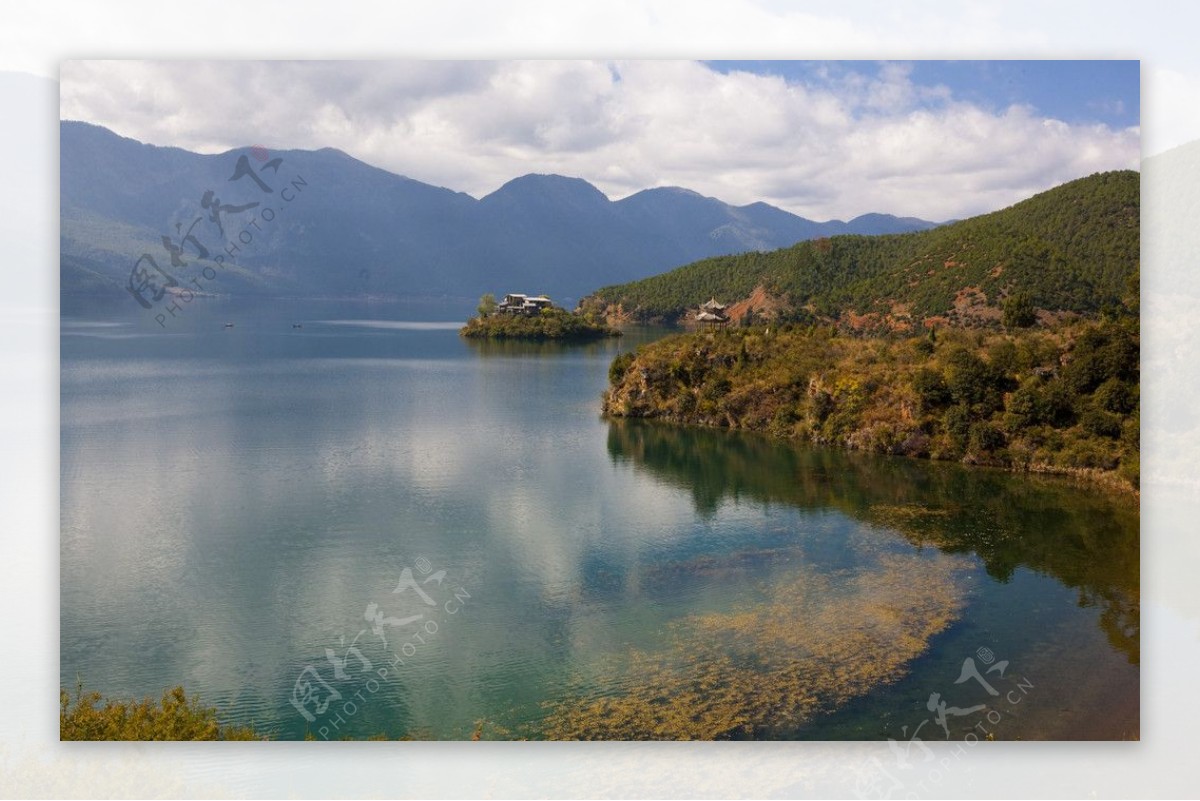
x: 351, y: 229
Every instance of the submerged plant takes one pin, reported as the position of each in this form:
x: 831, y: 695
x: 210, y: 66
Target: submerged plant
x: 763, y: 669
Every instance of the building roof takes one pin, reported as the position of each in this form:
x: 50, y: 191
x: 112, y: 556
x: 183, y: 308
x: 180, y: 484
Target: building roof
x: 709, y: 317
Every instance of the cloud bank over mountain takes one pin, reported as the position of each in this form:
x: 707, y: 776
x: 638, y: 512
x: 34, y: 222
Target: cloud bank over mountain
x: 856, y: 137
x: 345, y: 228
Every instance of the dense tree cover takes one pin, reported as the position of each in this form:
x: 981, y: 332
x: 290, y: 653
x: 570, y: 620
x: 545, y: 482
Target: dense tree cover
x: 173, y: 717
x: 549, y: 324
x: 1063, y: 400
x: 1072, y: 248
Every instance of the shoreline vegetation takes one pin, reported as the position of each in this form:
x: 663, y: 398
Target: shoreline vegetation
x: 90, y: 716
x: 551, y: 323
x: 1063, y: 400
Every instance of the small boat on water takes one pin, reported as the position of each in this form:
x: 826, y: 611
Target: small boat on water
x: 229, y: 325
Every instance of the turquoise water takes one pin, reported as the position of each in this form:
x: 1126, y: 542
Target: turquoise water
x: 235, y: 500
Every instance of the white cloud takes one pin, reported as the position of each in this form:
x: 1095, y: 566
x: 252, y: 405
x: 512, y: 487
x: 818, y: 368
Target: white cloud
x: 866, y: 140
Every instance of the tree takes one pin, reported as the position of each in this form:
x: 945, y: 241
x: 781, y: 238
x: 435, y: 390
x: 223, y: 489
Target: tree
x: 931, y: 388
x: 487, y: 304
x: 1018, y: 311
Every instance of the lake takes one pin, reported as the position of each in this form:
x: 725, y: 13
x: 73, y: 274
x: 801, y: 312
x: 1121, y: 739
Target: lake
x: 366, y: 525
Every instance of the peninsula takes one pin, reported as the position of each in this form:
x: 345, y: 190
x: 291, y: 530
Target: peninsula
x: 1010, y: 339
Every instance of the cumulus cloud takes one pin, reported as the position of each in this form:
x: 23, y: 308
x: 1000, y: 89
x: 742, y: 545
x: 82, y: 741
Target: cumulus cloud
x: 850, y: 140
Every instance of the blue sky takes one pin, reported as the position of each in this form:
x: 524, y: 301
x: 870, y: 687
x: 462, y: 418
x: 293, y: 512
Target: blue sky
x: 1076, y: 92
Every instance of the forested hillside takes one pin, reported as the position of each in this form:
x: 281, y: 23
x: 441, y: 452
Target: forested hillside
x: 1072, y: 249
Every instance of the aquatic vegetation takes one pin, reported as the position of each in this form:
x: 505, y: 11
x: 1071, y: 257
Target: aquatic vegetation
x: 1086, y: 540
x: 814, y: 642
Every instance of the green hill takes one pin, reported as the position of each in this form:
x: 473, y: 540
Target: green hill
x: 1059, y: 400
x: 1072, y: 249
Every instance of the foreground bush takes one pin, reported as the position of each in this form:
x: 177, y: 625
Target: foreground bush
x: 173, y: 717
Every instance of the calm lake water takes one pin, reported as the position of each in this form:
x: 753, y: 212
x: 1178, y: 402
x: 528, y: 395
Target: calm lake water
x: 239, y: 505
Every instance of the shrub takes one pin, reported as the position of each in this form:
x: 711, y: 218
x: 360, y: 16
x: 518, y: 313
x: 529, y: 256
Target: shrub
x: 957, y: 424
x: 1131, y: 432
x: 975, y: 382
x: 1101, y: 353
x: 174, y: 717
x: 619, y: 366
x: 715, y: 390
x: 1101, y: 423
x: 984, y: 438
x: 1087, y: 453
x: 784, y: 420
x: 931, y: 388
x: 1057, y: 407
x: 822, y: 405
x: 1130, y: 469
x: 942, y: 446
x: 1018, y: 311
x: 1004, y: 357
x: 1115, y: 395
x: 1025, y: 406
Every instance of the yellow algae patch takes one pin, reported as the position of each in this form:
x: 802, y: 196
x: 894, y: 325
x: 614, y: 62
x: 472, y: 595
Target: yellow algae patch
x: 916, y: 522
x: 815, y: 642
x: 905, y: 511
